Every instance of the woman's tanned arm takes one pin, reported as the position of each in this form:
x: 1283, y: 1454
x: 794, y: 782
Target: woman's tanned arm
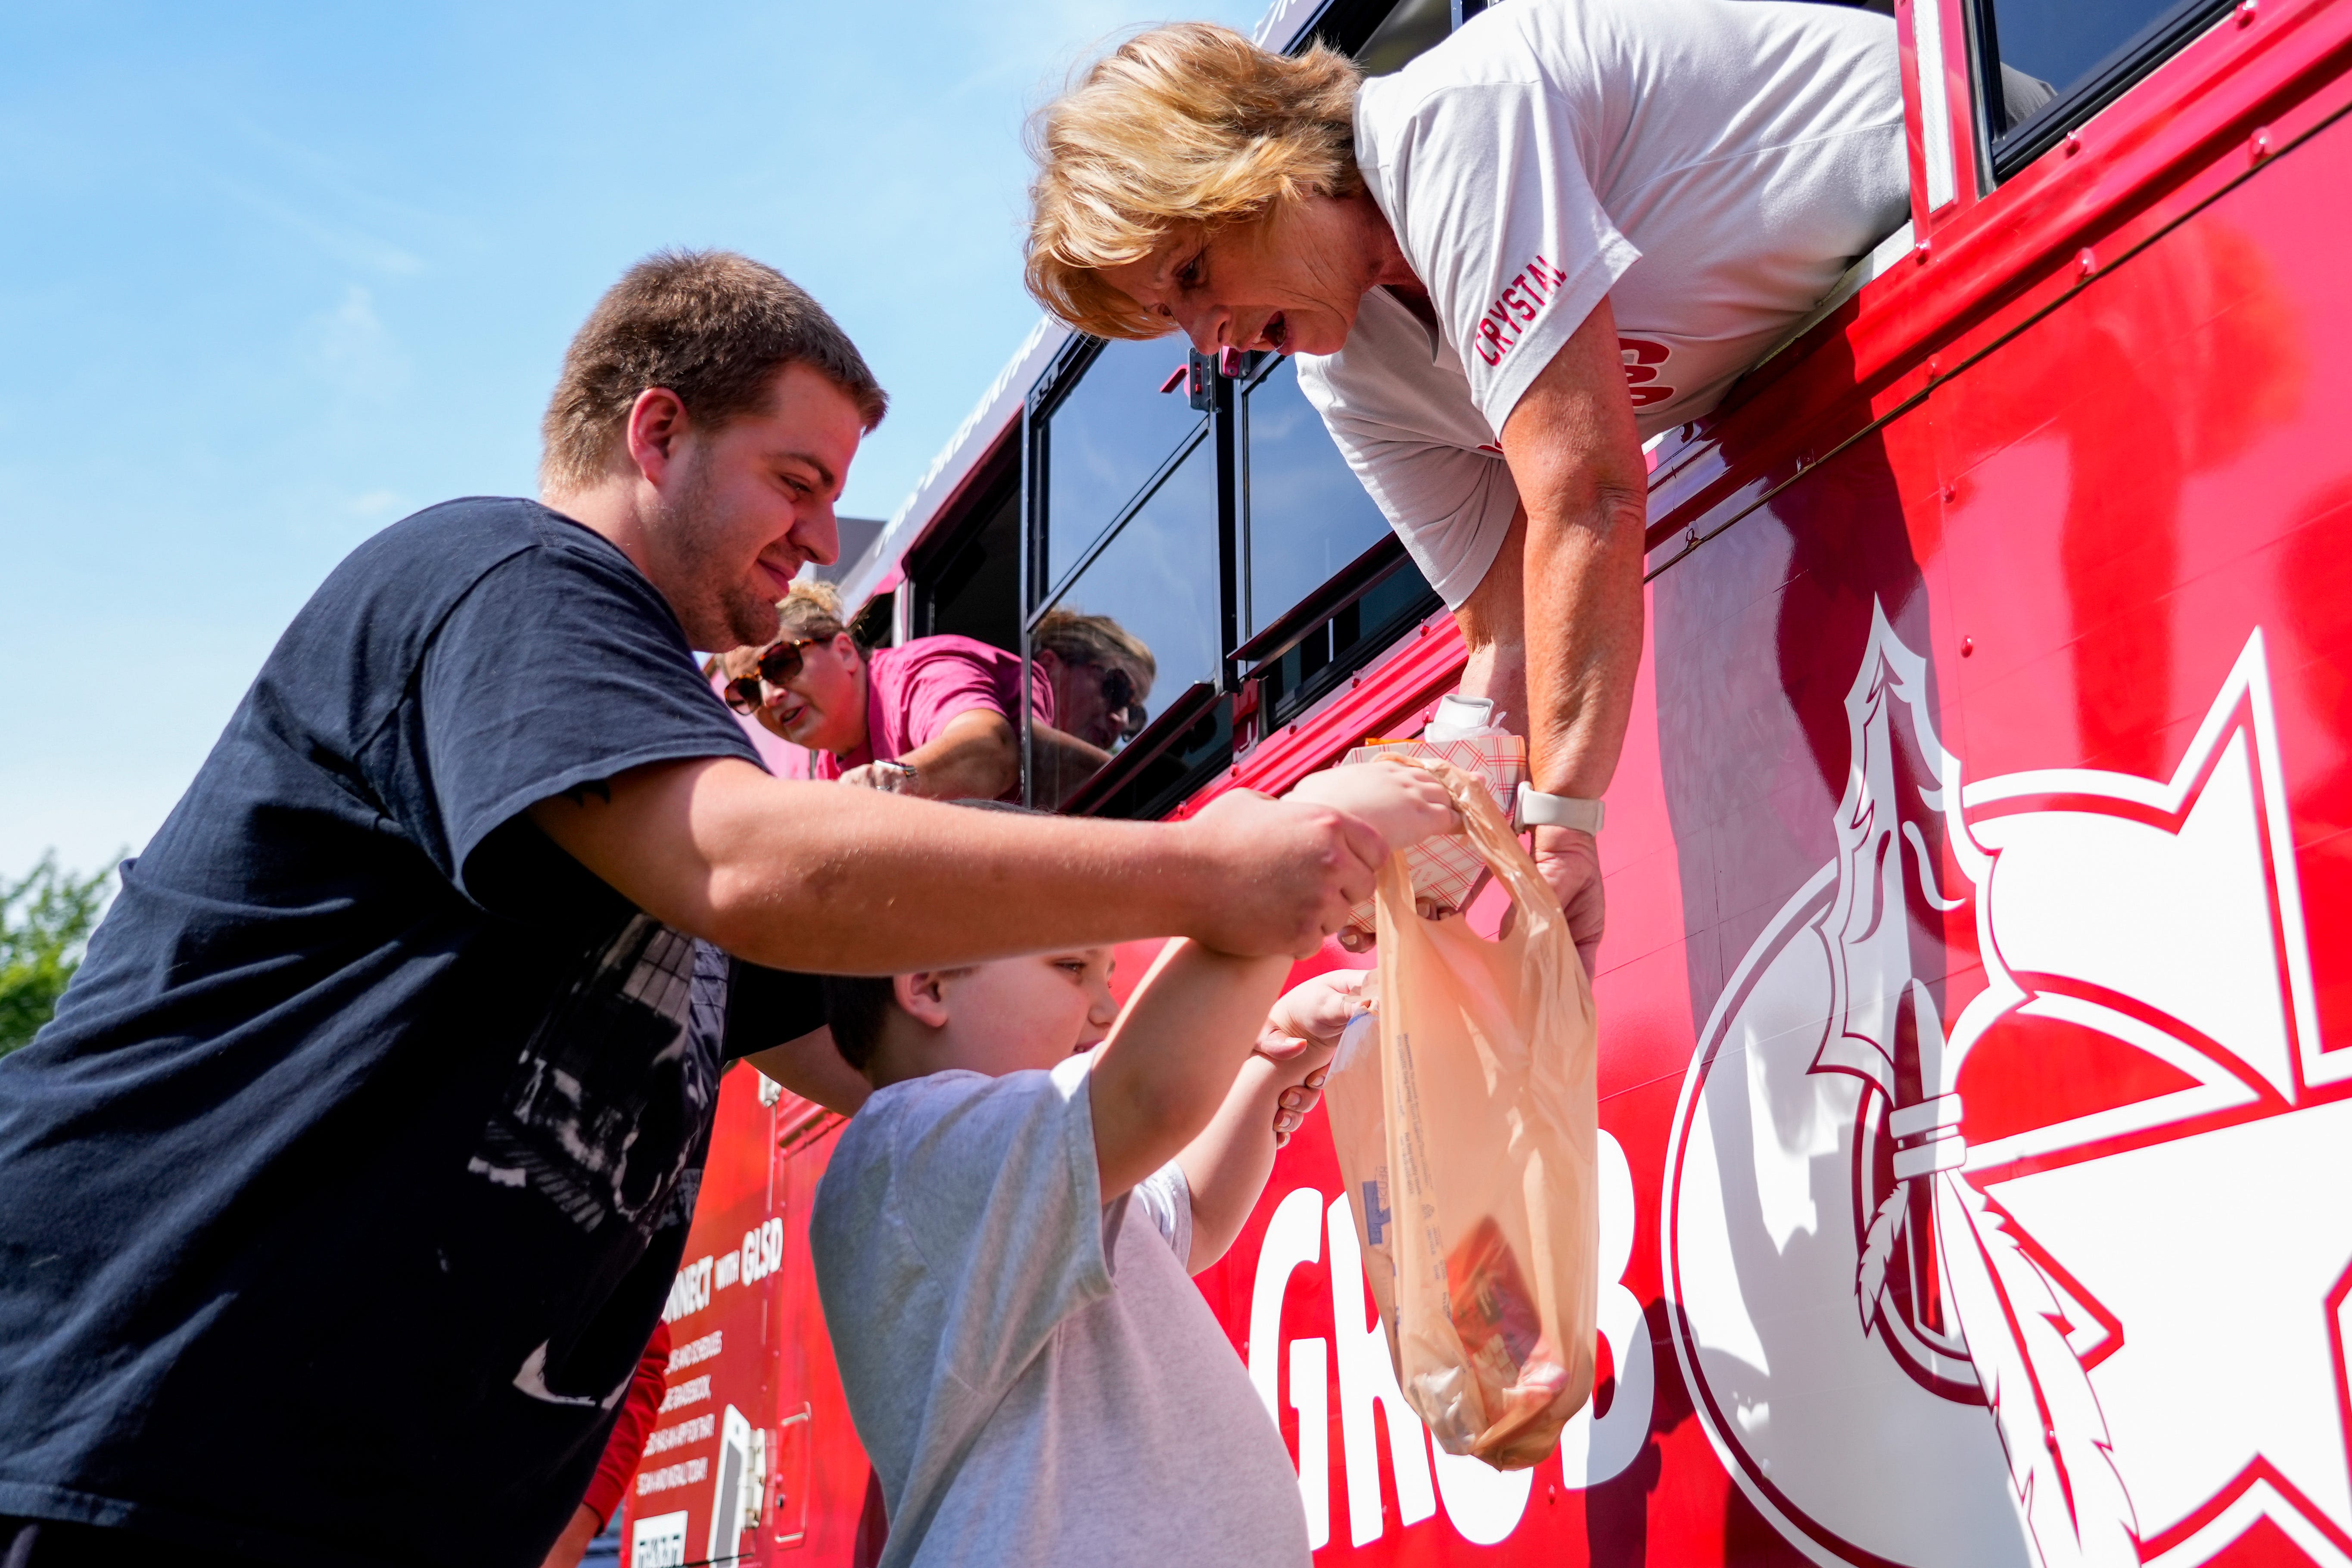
x: 1578, y: 464
x: 823, y: 880
x: 975, y: 756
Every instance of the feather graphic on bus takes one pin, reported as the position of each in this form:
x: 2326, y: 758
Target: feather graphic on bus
x: 1884, y: 1028
x: 2135, y: 1076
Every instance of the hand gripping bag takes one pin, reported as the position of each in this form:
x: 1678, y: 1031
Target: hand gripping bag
x: 1464, y: 1110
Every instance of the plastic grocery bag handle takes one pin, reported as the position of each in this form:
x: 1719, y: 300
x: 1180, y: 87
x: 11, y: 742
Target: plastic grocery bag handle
x: 1491, y: 839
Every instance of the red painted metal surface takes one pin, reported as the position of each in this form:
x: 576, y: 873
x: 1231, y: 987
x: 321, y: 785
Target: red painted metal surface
x: 752, y: 1354
x: 1976, y: 999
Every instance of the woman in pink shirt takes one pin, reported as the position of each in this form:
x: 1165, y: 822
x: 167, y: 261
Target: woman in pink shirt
x: 935, y: 717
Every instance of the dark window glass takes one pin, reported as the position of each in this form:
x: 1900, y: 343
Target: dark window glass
x: 1346, y: 643
x: 1158, y: 578
x: 1308, y: 515
x: 1105, y: 439
x: 971, y: 586
x: 1413, y: 27
x: 2048, y: 64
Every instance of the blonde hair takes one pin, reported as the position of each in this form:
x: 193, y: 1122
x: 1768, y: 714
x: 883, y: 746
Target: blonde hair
x: 1076, y: 637
x: 1186, y: 124
x: 811, y: 609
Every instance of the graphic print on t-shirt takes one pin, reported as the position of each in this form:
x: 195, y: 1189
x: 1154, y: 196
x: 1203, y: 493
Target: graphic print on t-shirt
x: 1643, y: 358
x: 612, y: 1092
x: 1522, y: 300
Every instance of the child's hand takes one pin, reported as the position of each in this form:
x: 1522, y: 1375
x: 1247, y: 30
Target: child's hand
x: 1314, y: 1012
x: 1301, y: 1032
x: 1401, y: 803
x: 1291, y: 1109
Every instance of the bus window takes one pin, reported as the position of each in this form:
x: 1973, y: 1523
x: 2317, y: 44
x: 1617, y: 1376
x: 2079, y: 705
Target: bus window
x: 1404, y: 34
x: 1307, y: 514
x: 1157, y: 579
x: 2044, y: 65
x: 1106, y: 438
x: 1328, y: 652
x: 969, y: 582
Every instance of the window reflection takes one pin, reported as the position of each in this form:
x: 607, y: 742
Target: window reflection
x: 1157, y: 579
x: 1106, y: 438
x: 1407, y: 31
x: 1308, y: 515
x: 2047, y: 50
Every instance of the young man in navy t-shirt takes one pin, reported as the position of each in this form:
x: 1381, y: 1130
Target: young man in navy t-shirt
x: 356, y: 1164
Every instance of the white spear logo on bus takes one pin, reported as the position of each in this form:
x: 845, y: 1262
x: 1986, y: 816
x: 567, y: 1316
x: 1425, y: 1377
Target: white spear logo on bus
x: 2090, y: 1333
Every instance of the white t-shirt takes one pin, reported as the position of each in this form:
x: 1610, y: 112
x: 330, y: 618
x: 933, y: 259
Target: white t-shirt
x: 1032, y: 1373
x: 1711, y: 166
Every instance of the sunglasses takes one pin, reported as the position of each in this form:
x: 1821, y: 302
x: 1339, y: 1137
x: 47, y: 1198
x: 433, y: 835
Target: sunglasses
x: 777, y: 664
x: 1119, y: 697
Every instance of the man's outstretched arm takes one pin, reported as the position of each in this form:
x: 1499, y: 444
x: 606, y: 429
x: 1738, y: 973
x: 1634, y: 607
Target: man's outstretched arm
x: 816, y: 878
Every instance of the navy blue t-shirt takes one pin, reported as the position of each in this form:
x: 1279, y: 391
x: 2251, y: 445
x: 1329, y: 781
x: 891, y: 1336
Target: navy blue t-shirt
x: 339, y: 1200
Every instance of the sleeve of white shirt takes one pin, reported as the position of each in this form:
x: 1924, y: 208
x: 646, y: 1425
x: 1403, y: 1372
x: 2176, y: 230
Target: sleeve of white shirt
x: 1452, y: 506
x: 1167, y: 1199
x: 1495, y: 215
x: 997, y: 1183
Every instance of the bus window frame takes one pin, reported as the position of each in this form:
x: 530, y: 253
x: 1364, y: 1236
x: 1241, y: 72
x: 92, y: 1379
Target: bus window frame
x: 993, y: 479
x: 2047, y: 127
x: 1107, y: 792
x: 1053, y: 390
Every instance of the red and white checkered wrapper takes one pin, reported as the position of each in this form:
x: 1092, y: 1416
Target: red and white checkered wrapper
x: 1445, y: 867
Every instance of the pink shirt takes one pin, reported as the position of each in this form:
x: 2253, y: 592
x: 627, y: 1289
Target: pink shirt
x: 911, y: 692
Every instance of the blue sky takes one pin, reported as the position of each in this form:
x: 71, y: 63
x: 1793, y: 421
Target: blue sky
x: 272, y: 277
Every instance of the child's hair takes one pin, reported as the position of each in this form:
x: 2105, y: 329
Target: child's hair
x: 856, y: 1006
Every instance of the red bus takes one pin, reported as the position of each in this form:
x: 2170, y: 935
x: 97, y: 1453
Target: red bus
x: 1976, y: 1004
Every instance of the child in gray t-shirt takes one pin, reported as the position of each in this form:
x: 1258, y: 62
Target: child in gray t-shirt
x: 1005, y: 1236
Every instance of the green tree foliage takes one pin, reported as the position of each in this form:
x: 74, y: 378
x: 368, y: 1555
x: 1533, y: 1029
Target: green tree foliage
x: 44, y: 921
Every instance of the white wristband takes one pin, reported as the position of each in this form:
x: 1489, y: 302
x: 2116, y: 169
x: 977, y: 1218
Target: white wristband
x: 1534, y: 809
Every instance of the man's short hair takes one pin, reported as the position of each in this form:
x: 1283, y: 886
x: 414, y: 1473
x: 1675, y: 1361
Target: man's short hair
x: 709, y: 325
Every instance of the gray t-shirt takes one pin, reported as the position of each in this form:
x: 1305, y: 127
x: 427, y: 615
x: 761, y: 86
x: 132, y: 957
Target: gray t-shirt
x: 1032, y: 1373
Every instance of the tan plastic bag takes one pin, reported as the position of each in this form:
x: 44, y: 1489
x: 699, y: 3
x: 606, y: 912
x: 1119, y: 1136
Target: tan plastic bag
x: 1465, y: 1120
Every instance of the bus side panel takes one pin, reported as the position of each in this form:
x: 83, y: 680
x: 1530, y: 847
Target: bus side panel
x: 1977, y: 901
x: 818, y: 1494
x: 1977, y: 892
x: 754, y: 1454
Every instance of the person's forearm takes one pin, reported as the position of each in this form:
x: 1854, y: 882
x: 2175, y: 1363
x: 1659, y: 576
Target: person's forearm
x: 974, y: 757
x: 572, y: 1544
x: 1169, y: 1064
x: 1227, y: 1164
x: 1585, y: 601
x: 1493, y: 624
x: 836, y: 881
x: 1577, y: 462
x: 827, y: 880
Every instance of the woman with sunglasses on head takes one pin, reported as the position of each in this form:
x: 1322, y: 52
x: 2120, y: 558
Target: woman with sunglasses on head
x: 935, y: 717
